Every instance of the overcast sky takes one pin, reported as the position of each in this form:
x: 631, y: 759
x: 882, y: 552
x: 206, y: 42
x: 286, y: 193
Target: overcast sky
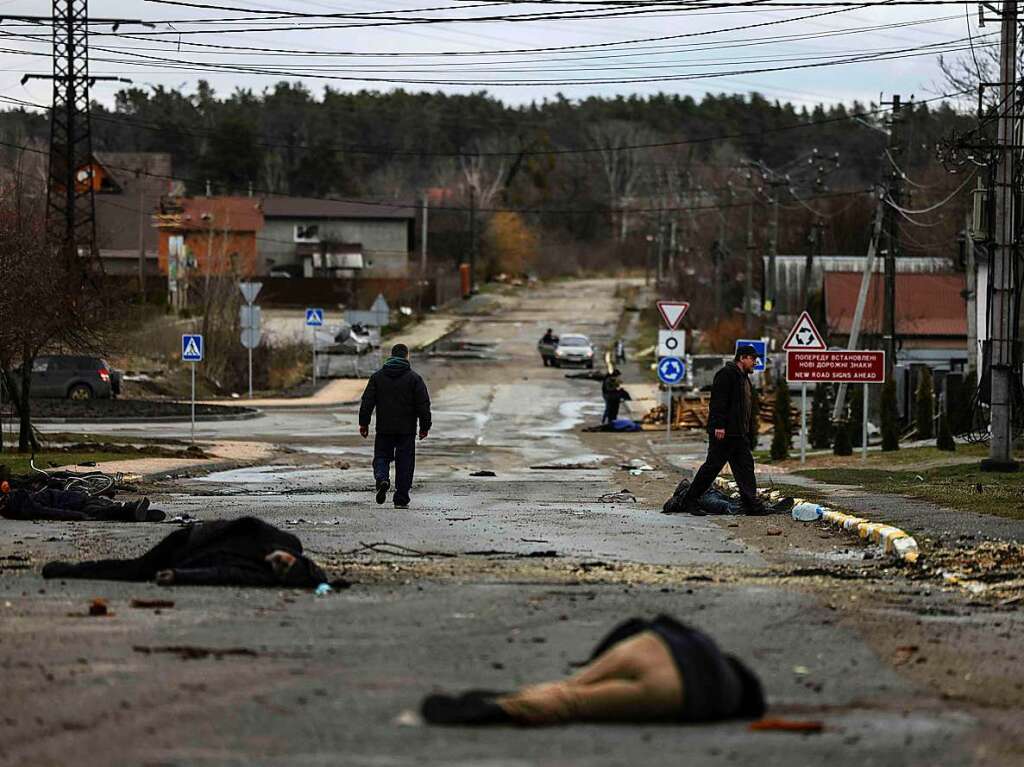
x: 831, y: 34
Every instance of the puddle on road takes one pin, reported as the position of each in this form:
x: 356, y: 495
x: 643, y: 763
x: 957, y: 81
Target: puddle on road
x: 571, y: 414
x: 265, y: 475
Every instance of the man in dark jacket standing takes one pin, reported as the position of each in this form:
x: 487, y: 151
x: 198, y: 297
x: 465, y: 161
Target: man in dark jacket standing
x: 731, y: 423
x: 400, y: 398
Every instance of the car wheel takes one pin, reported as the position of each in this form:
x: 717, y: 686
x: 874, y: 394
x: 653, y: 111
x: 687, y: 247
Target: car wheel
x: 556, y: 364
x: 590, y: 365
x: 80, y: 392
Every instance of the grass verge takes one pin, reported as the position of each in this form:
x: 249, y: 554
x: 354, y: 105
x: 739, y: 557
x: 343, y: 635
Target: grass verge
x: 963, y: 487
x: 18, y: 463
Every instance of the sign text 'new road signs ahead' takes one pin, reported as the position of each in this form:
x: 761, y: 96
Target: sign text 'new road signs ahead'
x: 762, y: 349
x: 835, y: 367
x: 673, y: 312
x: 314, y: 318
x: 671, y: 343
x: 671, y: 370
x: 804, y: 337
x: 191, y: 347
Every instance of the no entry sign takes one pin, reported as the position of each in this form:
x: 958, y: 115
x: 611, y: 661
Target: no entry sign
x: 835, y: 367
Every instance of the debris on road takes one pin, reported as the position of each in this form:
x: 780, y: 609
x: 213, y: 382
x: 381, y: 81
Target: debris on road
x: 98, y: 607
x: 623, y: 496
x: 194, y: 652
x: 787, y: 725
x: 636, y: 467
x: 152, y: 604
x: 484, y: 473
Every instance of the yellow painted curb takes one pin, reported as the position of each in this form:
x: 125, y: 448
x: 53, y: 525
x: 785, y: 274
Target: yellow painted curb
x: 892, y: 540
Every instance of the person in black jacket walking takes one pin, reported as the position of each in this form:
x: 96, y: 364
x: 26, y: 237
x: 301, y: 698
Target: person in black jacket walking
x: 732, y: 423
x: 401, y: 399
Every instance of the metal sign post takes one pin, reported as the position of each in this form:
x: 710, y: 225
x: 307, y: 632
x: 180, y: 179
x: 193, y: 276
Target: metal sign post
x: 864, y: 431
x: 671, y: 372
x: 668, y: 415
x: 192, y: 352
x: 251, y: 321
x: 803, y: 423
x: 314, y: 320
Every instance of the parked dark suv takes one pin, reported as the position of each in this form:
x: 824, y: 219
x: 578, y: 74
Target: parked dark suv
x: 73, y: 377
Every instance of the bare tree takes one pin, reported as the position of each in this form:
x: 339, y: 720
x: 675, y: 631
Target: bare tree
x: 620, y: 163
x: 45, y: 299
x: 486, y: 174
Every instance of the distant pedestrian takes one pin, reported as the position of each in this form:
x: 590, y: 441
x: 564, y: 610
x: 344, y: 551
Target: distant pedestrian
x: 546, y: 346
x: 400, y: 397
x: 732, y: 420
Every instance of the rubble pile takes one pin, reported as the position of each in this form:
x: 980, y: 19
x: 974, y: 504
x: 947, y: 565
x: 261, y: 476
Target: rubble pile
x: 994, y: 568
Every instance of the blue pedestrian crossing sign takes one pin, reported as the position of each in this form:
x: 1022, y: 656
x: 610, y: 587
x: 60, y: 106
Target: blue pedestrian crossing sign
x: 314, y: 318
x: 192, y: 347
x: 671, y: 370
x: 761, y: 347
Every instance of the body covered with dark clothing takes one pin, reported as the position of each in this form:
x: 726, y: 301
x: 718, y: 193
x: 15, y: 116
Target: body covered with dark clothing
x: 399, y: 396
x: 237, y: 552
x: 74, y: 506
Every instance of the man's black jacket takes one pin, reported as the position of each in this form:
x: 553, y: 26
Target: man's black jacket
x: 400, y: 398
x: 728, y: 392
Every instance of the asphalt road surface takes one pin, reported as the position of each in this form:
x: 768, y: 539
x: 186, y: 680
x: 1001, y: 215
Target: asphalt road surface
x: 503, y: 580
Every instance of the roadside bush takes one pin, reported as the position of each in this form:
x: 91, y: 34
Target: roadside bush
x: 821, y: 417
x: 924, y: 407
x: 782, y: 423
x: 890, y: 417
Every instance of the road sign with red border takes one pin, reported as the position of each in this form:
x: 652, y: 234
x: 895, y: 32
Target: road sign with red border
x: 673, y: 312
x: 837, y: 366
x: 804, y: 337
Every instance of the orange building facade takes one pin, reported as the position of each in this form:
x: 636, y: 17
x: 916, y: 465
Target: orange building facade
x: 200, y: 236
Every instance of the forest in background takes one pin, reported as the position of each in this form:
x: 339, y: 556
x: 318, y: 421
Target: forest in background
x: 571, y: 184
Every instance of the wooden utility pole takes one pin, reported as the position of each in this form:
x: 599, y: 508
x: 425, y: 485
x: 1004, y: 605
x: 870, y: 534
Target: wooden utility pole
x: 892, y: 236
x: 1001, y: 330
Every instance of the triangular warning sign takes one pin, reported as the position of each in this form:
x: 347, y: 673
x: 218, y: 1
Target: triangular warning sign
x: 804, y: 336
x: 673, y: 312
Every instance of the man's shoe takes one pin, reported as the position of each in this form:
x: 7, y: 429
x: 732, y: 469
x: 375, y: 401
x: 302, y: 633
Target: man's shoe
x: 757, y: 511
x: 401, y: 505
x: 382, y: 490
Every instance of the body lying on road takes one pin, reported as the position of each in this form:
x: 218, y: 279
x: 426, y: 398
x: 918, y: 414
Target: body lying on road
x: 643, y: 671
x: 238, y: 552
x: 74, y: 506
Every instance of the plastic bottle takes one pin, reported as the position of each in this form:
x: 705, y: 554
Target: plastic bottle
x: 807, y: 512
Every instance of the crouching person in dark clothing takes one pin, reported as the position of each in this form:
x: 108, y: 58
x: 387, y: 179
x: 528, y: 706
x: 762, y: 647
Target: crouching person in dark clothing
x: 400, y: 397
x: 731, y: 422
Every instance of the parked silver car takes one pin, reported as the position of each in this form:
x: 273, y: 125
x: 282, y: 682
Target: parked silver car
x: 574, y: 349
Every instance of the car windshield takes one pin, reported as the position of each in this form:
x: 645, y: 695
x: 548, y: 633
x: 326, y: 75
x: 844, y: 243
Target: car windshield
x: 573, y: 341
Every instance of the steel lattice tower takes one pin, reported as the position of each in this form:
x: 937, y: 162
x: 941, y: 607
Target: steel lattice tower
x: 71, y: 208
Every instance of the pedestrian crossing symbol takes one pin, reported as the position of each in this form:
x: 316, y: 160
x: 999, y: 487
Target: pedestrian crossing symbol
x: 191, y: 347
x: 314, y: 317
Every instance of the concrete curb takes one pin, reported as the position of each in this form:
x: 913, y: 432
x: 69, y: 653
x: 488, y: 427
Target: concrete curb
x: 893, y: 540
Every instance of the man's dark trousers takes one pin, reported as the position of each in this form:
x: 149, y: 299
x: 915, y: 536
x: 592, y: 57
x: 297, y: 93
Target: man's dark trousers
x: 400, y: 448
x: 736, y: 452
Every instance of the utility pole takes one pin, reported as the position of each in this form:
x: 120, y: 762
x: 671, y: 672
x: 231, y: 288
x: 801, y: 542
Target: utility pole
x: 814, y: 248
x: 892, y: 236
x: 423, y: 258
x: 1004, y: 254
x: 472, y: 238
x: 748, y: 309
x: 142, y: 237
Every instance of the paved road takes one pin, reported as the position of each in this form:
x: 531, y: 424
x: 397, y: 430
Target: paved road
x: 331, y: 676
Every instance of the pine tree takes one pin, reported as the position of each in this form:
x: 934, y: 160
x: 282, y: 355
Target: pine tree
x: 821, y: 418
x: 890, y: 417
x: 923, y: 406
x: 855, y: 395
x: 783, y: 423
